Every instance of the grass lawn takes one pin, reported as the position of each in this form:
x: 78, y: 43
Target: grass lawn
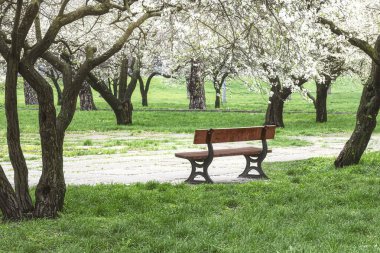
x: 307, y: 206
x: 163, y: 94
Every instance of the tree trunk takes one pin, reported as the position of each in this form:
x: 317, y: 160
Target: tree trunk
x: 196, y: 86
x: 144, y: 91
x: 13, y: 138
x: 9, y: 205
x: 275, y: 109
x: 14, y: 203
x: 122, y: 111
x: 29, y: 94
x: 59, y: 91
x: 51, y: 188
x: 217, y: 99
x: 86, y: 98
x: 115, y: 85
x: 144, y: 99
x: 218, y: 87
x: 321, y: 100
x: 123, y: 80
x: 365, y: 119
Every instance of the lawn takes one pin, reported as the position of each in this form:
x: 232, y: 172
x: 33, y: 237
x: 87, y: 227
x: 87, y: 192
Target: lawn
x: 307, y: 206
x: 299, y: 118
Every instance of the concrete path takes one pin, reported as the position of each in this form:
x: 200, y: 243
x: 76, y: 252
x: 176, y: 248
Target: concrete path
x: 162, y: 166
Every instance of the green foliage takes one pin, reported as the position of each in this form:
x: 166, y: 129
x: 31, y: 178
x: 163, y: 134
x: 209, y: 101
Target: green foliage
x: 307, y: 206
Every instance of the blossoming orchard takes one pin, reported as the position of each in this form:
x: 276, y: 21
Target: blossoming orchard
x: 78, y: 55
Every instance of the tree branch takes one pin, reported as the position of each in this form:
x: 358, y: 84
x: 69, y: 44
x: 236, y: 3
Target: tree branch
x: 122, y: 40
x: 63, y: 20
x: 359, y: 43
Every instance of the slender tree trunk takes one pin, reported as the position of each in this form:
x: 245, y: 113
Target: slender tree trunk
x: 321, y: 100
x: 59, y: 91
x: 218, y: 87
x: 86, y: 98
x: 13, y: 138
x: 14, y: 203
x: 143, y: 92
x: 275, y: 109
x: 9, y: 204
x: 365, y: 119
x: 144, y: 99
x: 115, y: 85
x: 29, y: 94
x: 217, y: 98
x: 196, y: 86
x: 123, y: 80
x: 51, y: 188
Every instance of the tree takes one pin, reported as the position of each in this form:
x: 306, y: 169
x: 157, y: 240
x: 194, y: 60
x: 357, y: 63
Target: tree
x: 369, y: 103
x: 21, y: 55
x: 120, y: 103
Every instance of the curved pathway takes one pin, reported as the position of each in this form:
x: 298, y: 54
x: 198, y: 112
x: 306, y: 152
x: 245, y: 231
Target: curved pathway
x: 162, y: 166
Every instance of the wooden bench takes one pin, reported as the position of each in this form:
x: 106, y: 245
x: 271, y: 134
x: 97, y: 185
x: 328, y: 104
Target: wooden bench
x: 203, y: 159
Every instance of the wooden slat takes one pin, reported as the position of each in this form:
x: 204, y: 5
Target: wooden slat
x: 234, y: 134
x: 201, y: 155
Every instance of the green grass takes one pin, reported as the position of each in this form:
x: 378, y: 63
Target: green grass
x: 163, y: 94
x: 307, y: 206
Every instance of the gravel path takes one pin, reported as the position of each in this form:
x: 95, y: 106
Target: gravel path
x: 162, y: 166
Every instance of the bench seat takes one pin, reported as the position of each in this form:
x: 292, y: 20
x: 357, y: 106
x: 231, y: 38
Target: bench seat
x: 201, y: 155
x: 254, y: 156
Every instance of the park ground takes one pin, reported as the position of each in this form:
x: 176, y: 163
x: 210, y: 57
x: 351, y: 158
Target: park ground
x: 307, y: 206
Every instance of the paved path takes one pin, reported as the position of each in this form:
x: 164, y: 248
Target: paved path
x: 162, y: 166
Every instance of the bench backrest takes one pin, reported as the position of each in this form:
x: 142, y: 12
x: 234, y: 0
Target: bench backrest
x: 235, y: 134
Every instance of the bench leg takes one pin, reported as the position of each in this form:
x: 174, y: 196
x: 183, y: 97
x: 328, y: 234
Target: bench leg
x: 194, y: 172
x: 249, y: 168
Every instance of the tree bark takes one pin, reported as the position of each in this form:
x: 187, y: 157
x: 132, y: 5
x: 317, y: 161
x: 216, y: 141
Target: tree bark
x: 30, y: 94
x: 13, y: 138
x: 123, y: 80
x: 275, y: 109
x: 14, y: 203
x: 218, y: 87
x: 51, y: 188
x: 115, y: 85
x: 321, y: 100
x: 9, y: 204
x: 196, y: 87
x: 54, y: 76
x: 217, y: 99
x: 86, y: 98
x: 59, y: 92
x: 365, y: 119
x: 144, y: 91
